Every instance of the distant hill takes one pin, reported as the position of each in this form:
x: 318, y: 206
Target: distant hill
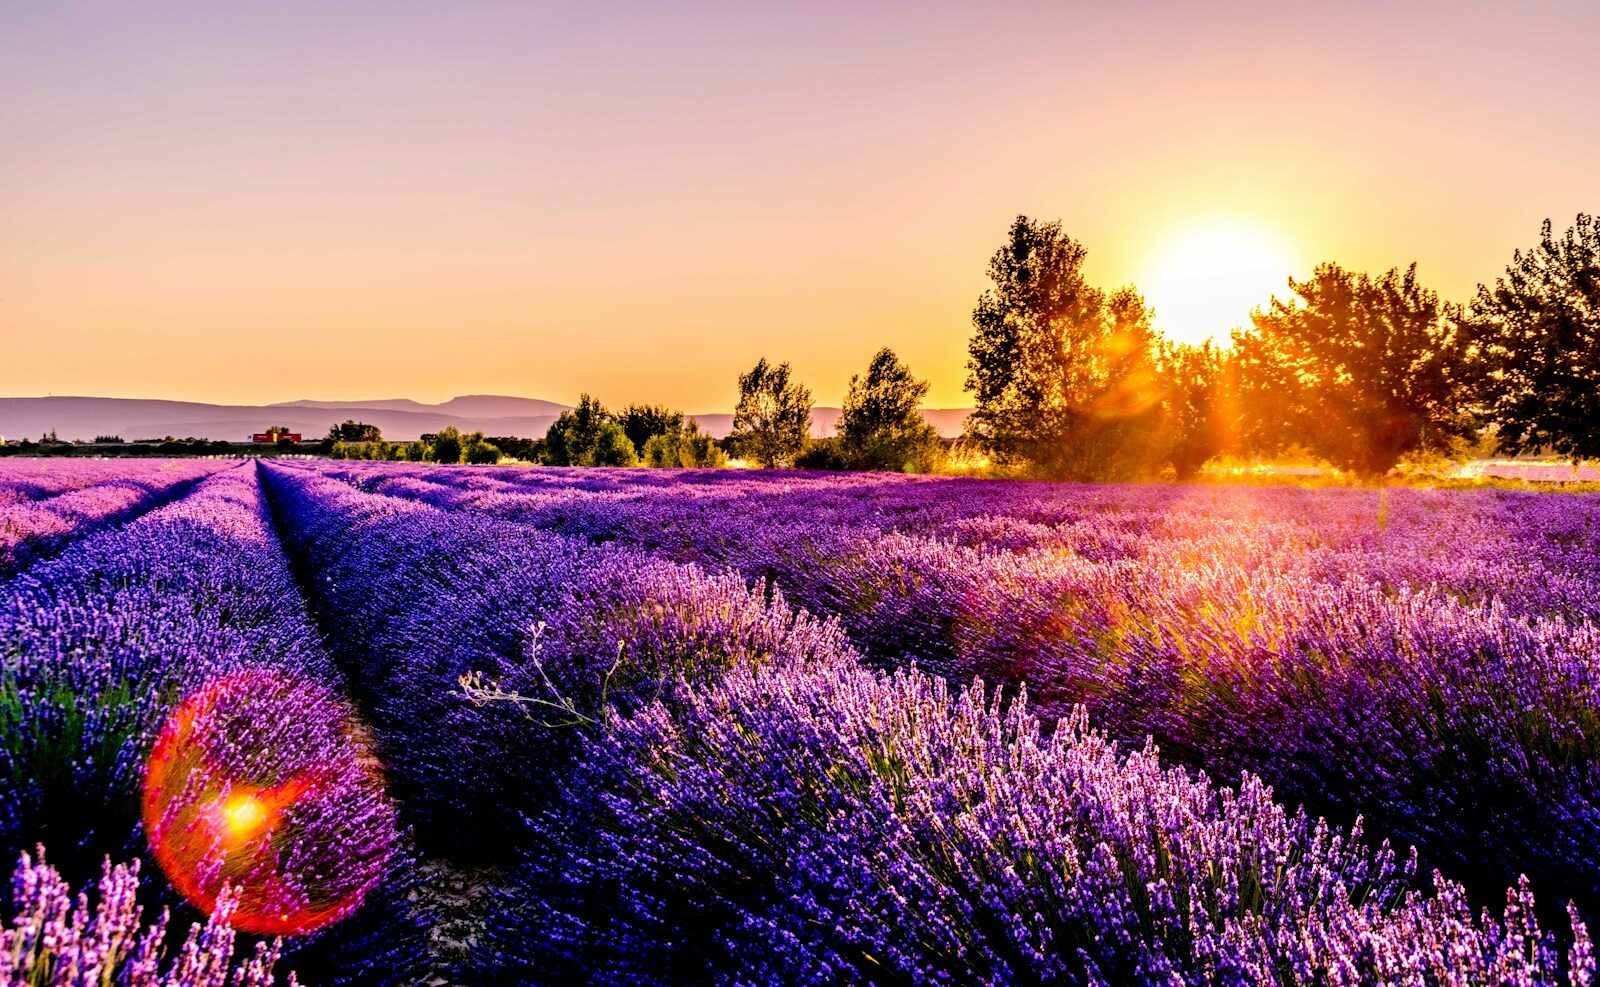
x: 137, y: 418
x: 398, y: 418
x: 466, y: 406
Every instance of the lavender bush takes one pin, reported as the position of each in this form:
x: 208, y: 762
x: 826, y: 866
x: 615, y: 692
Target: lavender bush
x: 678, y: 726
x: 419, y: 598
x: 826, y: 824
x: 105, y: 640
x: 1422, y: 658
x: 57, y: 939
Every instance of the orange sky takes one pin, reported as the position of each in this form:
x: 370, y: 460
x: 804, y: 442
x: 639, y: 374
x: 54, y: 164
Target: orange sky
x: 266, y: 202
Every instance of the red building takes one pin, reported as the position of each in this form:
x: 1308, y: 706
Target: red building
x: 270, y: 438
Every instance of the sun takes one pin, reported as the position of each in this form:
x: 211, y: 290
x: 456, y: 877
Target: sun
x: 1204, y: 281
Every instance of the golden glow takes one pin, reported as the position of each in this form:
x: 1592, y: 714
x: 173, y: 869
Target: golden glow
x: 1204, y: 281
x: 362, y: 200
x: 211, y: 824
x: 245, y: 816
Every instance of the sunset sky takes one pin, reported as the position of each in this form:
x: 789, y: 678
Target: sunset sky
x: 261, y: 202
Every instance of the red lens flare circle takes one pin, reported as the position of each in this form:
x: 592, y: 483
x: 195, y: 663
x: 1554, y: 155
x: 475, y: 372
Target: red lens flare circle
x: 260, y: 781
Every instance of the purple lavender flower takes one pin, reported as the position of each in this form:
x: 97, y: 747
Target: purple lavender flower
x: 58, y: 939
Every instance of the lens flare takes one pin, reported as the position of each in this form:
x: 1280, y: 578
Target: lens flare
x: 260, y: 782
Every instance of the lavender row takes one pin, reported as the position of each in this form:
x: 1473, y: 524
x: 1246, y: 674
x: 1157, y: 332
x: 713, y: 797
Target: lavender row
x: 415, y: 598
x: 1535, y: 553
x: 48, y: 510
x: 105, y: 640
x: 23, y: 479
x: 821, y: 823
x: 791, y: 817
x: 1435, y: 671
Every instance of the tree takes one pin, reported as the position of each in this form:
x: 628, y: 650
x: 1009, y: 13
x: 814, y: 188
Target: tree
x: 687, y: 448
x: 516, y: 447
x: 1062, y: 373
x: 572, y: 437
x: 643, y: 421
x: 353, y: 431
x: 478, y: 451
x: 823, y: 454
x: 773, y: 417
x: 881, y: 426
x: 446, y: 445
x: 1199, y: 404
x: 1536, y: 335
x: 612, y: 447
x: 1361, y: 371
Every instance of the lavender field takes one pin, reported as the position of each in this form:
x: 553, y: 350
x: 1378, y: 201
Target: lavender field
x: 390, y: 723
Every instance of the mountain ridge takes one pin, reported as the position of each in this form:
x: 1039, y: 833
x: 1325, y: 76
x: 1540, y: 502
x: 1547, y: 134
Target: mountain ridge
x: 74, y: 417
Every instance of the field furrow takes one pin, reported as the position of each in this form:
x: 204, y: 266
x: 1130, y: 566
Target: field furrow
x: 104, y: 641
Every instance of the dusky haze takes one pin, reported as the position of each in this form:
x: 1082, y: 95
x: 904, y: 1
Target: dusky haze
x: 260, y: 202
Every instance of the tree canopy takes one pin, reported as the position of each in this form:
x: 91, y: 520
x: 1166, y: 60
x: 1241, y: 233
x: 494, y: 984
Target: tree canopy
x: 1360, y: 370
x: 881, y: 426
x: 773, y: 418
x: 642, y: 422
x: 1200, y: 406
x: 351, y: 430
x: 686, y: 447
x: 1536, y: 336
x: 1061, y: 372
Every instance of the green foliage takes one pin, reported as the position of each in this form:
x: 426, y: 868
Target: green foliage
x: 478, y: 451
x: 823, y: 454
x: 1063, y: 373
x: 415, y: 451
x: 687, y: 448
x: 573, y: 438
x: 445, y: 445
x: 1360, y: 370
x: 68, y: 753
x: 773, y: 418
x: 881, y: 426
x: 1537, y: 336
x: 642, y: 422
x: 353, y: 431
x: 612, y: 447
x: 516, y: 447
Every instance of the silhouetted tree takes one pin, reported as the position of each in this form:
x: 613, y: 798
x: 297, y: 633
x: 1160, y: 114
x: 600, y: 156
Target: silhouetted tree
x: 773, y: 418
x: 1199, y: 403
x: 1536, y: 334
x: 643, y: 421
x: 1062, y: 373
x: 823, y: 454
x: 353, y: 431
x: 1360, y: 370
x: 881, y: 426
x: 515, y: 446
